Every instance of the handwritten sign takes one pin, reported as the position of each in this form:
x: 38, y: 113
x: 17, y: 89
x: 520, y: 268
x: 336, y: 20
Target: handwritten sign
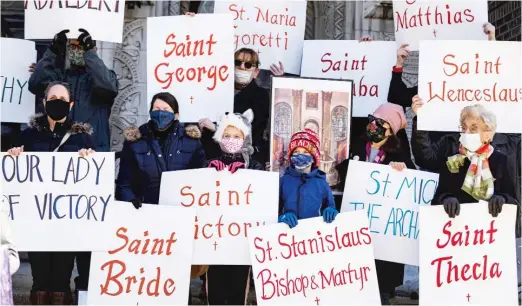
x: 274, y: 29
x: 391, y: 200
x: 194, y: 63
x: 149, y: 261
x: 367, y: 64
x: 455, y: 74
x: 417, y: 20
x: 470, y: 259
x: 228, y: 207
x: 102, y: 18
x: 59, y: 195
x: 315, y: 263
x: 17, y: 102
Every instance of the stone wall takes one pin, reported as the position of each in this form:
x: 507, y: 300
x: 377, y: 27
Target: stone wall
x: 505, y: 16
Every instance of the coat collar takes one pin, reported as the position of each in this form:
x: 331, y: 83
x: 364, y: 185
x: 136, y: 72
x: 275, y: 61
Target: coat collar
x: 40, y: 123
x: 134, y: 134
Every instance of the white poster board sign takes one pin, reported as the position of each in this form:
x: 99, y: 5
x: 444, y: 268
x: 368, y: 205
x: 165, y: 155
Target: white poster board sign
x: 274, y: 29
x: 391, y: 200
x: 60, y: 195
x: 470, y: 259
x: 17, y: 102
x: 417, y: 20
x: 195, y: 63
x: 152, y: 245
x: 322, y: 264
x: 228, y: 207
x: 455, y: 74
x: 368, y: 64
x: 102, y: 18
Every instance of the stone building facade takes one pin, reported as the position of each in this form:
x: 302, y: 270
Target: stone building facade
x: 333, y: 20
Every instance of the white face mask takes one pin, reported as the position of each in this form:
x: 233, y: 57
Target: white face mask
x: 471, y: 142
x: 243, y: 76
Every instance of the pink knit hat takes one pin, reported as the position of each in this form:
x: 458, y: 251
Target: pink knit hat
x: 393, y: 114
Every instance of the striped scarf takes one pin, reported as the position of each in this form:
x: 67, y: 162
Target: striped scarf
x: 479, y: 180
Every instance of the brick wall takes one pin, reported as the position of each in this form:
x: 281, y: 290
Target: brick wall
x: 505, y: 16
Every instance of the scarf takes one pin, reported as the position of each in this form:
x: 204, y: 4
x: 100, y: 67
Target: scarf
x: 478, y: 182
x: 378, y: 159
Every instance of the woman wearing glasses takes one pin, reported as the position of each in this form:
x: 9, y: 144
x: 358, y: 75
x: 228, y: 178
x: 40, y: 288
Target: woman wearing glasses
x: 248, y: 95
x: 380, y: 144
x: 472, y: 168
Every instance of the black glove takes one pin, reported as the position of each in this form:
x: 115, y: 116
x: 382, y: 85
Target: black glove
x: 85, y: 40
x: 136, y: 202
x: 59, y: 43
x: 451, y: 206
x: 495, y: 205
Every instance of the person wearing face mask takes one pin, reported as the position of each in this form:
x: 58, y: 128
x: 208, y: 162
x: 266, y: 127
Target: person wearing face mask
x: 248, y: 95
x: 474, y: 169
x: 431, y: 155
x: 381, y: 145
x: 162, y: 144
x: 54, y: 131
x: 303, y: 190
x: 94, y: 86
x: 228, y: 284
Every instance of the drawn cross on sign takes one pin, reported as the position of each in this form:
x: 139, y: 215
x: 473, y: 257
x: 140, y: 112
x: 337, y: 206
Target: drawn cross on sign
x: 468, y: 296
x: 317, y: 300
x: 215, y: 245
x: 191, y: 99
x: 435, y: 33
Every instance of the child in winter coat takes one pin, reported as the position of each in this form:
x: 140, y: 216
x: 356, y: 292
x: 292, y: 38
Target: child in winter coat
x: 228, y: 284
x: 303, y: 190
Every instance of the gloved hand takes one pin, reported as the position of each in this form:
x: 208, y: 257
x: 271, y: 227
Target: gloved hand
x: 85, y: 40
x: 289, y: 218
x: 329, y: 214
x: 234, y: 166
x: 451, y: 206
x: 495, y: 205
x: 59, y: 43
x: 136, y: 202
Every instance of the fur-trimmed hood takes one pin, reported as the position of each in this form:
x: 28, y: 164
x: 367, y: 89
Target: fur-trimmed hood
x: 39, y: 122
x: 134, y: 134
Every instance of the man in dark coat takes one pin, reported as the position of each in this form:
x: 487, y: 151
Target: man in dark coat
x: 94, y: 86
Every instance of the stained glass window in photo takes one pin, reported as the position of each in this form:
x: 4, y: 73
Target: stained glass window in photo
x: 312, y: 100
x: 339, y: 123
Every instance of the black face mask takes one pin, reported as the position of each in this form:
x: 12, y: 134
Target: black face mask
x: 57, y: 109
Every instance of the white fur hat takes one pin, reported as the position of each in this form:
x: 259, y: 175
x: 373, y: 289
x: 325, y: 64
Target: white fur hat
x: 241, y: 121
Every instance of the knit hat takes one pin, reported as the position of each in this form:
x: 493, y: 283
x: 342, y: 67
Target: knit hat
x: 243, y: 122
x: 307, y: 139
x: 393, y: 114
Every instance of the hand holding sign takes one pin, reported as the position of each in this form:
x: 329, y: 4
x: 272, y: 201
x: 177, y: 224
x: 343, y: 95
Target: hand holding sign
x: 495, y: 205
x: 489, y: 30
x: 16, y: 151
x: 86, y: 152
x: 277, y: 70
x: 59, y: 42
x: 416, y: 103
x: 402, y: 54
x: 85, y: 40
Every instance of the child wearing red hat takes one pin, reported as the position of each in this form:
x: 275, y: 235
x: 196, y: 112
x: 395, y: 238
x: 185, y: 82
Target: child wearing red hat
x: 304, y: 192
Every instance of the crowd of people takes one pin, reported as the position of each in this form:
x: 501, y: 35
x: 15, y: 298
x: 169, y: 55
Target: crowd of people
x: 475, y: 164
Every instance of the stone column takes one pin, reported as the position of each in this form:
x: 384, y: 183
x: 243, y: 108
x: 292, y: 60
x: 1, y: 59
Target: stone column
x: 326, y: 141
x: 297, y: 105
x: 129, y: 61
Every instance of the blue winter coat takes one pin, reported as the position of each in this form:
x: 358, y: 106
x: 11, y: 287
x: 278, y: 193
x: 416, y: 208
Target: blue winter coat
x: 306, y: 195
x: 39, y: 138
x: 94, y: 88
x: 142, y: 161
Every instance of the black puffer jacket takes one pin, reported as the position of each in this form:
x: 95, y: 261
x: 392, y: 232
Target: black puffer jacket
x: 432, y: 156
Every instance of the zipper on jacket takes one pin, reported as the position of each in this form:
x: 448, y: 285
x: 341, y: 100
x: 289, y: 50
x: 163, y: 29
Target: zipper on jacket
x: 303, y: 181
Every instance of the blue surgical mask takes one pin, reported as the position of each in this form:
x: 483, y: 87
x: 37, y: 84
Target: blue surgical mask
x: 302, y: 161
x: 161, y: 119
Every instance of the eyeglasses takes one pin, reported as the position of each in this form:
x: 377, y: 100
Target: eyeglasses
x: 248, y: 65
x: 473, y: 130
x: 378, y: 121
